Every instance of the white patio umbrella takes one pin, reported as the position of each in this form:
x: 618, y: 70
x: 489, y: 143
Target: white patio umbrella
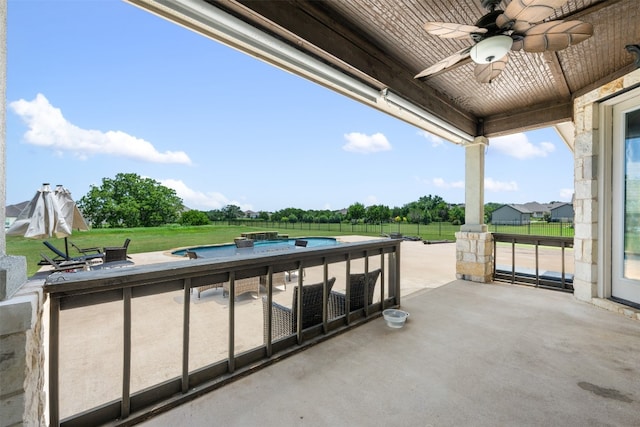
x: 69, y: 209
x: 70, y: 213
x: 49, y: 214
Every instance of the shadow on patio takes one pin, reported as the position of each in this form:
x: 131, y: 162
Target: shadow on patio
x: 469, y: 354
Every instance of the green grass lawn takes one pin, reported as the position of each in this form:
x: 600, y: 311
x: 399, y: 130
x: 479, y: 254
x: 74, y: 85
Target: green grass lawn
x: 170, y: 237
x: 146, y: 239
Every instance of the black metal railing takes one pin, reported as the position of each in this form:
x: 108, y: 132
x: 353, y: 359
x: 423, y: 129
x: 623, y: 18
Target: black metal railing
x: 551, y: 274
x: 95, y: 290
x: 436, y: 230
x: 534, y: 228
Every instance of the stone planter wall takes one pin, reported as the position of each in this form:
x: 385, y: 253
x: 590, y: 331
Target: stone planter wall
x: 22, y: 361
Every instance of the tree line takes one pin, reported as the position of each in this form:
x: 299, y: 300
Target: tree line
x: 129, y: 200
x: 425, y: 210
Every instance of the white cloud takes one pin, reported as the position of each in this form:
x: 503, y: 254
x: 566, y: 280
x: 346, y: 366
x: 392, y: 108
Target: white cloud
x: 202, y: 201
x: 441, y: 183
x: 361, y: 143
x: 434, y: 140
x: 497, y: 186
x: 49, y: 128
x: 519, y: 146
x: 566, y: 193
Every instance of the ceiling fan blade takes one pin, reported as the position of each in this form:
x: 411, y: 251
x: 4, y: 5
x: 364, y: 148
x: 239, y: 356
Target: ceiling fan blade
x: 528, y: 11
x: 556, y: 35
x: 486, y: 73
x: 445, y: 63
x: 517, y: 45
x: 448, y: 30
x: 521, y: 27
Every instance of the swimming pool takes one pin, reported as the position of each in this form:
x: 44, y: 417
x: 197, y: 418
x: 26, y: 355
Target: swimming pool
x: 262, y: 246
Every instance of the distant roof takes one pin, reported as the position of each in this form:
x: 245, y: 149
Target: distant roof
x: 12, y: 211
x: 536, y: 207
x: 561, y: 204
x: 519, y: 208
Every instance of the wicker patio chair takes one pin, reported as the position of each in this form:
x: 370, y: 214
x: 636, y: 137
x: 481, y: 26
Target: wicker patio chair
x: 242, y: 286
x: 200, y: 289
x: 278, y: 279
x: 117, y: 253
x: 284, y: 322
x: 356, y: 296
x: 299, y: 243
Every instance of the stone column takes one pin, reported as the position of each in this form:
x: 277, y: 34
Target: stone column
x: 13, y: 270
x: 3, y: 123
x: 585, y: 241
x: 474, y: 246
x: 22, y: 400
x: 474, y: 186
x: 592, y: 205
x: 22, y: 361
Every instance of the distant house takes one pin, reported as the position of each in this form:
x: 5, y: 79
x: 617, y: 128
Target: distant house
x: 562, y: 212
x: 11, y: 213
x: 251, y: 214
x: 537, y: 210
x: 511, y: 215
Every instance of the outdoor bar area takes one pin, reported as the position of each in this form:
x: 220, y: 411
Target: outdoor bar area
x: 126, y: 341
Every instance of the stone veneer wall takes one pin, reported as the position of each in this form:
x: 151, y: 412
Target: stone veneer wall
x: 586, y: 175
x: 22, y: 359
x: 474, y: 256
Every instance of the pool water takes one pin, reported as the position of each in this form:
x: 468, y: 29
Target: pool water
x: 259, y: 247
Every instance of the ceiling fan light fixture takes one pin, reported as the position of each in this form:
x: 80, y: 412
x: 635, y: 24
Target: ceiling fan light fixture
x: 491, y: 49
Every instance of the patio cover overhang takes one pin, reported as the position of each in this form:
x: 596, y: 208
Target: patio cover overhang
x: 370, y: 50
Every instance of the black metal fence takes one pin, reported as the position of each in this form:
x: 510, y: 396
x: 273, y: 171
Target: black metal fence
x: 431, y: 231
x: 535, y: 228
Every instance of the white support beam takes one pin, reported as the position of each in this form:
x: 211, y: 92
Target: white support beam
x: 567, y: 132
x: 474, y: 185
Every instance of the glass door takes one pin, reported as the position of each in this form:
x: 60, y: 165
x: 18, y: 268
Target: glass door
x: 625, y: 280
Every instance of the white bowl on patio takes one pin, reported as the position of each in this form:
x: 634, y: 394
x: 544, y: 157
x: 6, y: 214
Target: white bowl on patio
x: 395, y: 318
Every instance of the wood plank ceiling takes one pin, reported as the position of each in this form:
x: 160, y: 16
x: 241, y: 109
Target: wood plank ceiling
x: 383, y: 43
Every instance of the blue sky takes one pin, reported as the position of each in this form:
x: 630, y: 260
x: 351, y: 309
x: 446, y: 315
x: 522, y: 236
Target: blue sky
x: 99, y: 87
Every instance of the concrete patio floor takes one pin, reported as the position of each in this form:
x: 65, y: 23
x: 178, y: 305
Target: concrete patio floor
x: 470, y: 354
x: 495, y: 354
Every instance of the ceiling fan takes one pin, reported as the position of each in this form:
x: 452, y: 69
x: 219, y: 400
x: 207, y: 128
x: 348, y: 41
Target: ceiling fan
x: 518, y: 27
